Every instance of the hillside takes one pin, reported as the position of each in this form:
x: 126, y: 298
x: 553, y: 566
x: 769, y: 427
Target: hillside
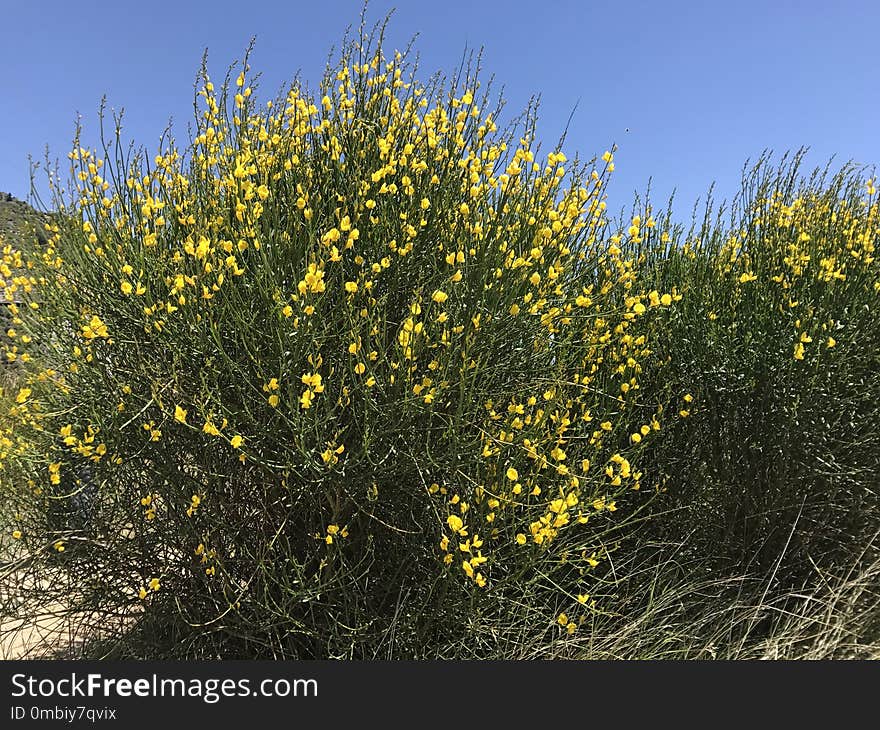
x: 17, y: 219
x: 20, y: 226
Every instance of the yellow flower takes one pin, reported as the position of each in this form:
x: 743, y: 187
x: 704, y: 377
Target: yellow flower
x: 351, y: 287
x: 236, y: 441
x: 210, y: 428
x: 562, y: 619
x: 520, y: 539
x: 154, y: 584
x: 455, y: 523
x: 831, y: 342
x: 180, y: 414
x: 16, y: 534
x: 439, y: 296
x: 95, y: 328
x: 314, y: 381
x: 330, y: 454
x: 512, y: 474
x: 274, y: 400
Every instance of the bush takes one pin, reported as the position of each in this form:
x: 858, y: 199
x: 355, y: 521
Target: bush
x: 349, y: 376
x: 774, y: 468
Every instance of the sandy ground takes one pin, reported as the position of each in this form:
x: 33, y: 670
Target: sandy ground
x: 38, y: 636
x: 40, y: 629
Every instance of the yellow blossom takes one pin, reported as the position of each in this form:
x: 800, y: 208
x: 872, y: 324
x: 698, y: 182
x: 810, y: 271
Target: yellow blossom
x: 455, y: 524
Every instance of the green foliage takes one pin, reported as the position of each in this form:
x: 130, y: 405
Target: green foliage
x: 778, y: 341
x: 359, y: 376
x: 350, y: 377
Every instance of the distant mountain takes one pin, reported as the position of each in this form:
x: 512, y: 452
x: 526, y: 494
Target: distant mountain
x: 20, y: 226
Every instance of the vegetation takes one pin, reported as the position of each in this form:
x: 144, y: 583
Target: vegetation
x: 365, y: 374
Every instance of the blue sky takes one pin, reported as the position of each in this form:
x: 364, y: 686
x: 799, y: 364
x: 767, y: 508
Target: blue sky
x: 701, y: 86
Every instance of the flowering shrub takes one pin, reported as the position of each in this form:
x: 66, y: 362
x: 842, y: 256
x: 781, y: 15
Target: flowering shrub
x: 353, y: 374
x: 773, y: 462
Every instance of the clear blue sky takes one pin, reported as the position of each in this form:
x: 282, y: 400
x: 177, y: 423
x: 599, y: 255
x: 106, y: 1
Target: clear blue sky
x: 701, y: 86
